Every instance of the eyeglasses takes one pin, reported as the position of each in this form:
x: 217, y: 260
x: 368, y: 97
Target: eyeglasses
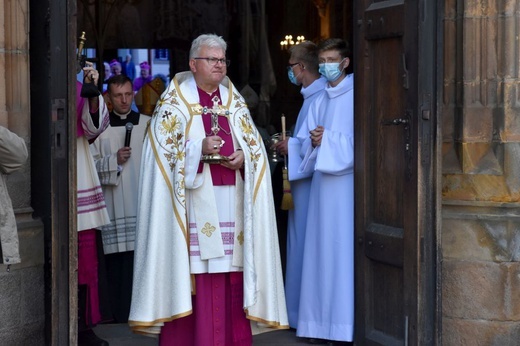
x: 290, y: 66
x: 214, y: 61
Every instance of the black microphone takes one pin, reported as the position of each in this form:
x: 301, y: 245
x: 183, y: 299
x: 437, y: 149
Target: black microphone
x: 129, y: 126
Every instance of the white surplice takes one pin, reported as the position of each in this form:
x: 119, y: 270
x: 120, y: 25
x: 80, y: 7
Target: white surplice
x: 119, y: 187
x: 92, y: 211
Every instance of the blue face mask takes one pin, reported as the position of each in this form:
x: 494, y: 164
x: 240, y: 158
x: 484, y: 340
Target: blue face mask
x: 330, y: 70
x: 292, y: 77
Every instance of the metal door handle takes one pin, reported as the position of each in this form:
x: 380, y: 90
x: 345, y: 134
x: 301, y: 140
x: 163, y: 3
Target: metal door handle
x: 406, y: 121
x: 398, y: 121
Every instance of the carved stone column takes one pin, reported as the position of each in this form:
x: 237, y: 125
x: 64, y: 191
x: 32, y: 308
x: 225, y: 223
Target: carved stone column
x: 481, y: 173
x: 14, y: 88
x: 21, y: 289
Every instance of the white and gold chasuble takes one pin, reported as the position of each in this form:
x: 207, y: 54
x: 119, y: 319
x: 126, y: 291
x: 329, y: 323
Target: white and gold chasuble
x: 172, y: 196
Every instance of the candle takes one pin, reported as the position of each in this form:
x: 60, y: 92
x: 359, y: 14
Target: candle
x: 283, y: 127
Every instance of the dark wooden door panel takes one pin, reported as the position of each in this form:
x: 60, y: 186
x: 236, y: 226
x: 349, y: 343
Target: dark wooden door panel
x: 384, y: 19
x: 387, y: 174
x: 384, y: 244
x: 384, y: 328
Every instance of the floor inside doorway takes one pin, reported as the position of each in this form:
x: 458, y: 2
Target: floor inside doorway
x: 121, y: 335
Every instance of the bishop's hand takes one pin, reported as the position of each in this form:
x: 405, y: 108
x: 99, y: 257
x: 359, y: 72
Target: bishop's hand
x: 211, y: 145
x: 236, y: 160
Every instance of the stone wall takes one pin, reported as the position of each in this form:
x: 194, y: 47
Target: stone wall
x: 481, y: 173
x: 22, y: 314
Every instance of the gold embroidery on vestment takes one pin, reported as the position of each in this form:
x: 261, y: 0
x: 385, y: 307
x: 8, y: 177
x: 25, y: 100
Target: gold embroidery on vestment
x: 240, y: 238
x: 179, y: 193
x: 208, y: 229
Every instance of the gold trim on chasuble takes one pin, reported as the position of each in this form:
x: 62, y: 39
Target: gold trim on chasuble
x: 170, y: 125
x: 140, y: 327
x: 249, y: 131
x: 177, y: 141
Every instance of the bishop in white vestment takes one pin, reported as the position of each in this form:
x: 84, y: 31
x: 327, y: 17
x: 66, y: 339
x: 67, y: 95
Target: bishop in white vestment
x: 198, y: 219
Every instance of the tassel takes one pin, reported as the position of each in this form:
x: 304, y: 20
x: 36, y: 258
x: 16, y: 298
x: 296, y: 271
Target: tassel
x: 287, y: 200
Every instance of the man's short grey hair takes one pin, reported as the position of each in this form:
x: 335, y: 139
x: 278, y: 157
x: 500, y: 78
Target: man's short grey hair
x: 208, y: 40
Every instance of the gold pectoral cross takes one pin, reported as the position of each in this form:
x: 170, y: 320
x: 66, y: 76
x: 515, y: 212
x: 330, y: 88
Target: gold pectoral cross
x: 215, y: 112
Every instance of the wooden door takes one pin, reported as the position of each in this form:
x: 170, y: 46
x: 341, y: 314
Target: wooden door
x: 61, y: 238
x: 395, y: 171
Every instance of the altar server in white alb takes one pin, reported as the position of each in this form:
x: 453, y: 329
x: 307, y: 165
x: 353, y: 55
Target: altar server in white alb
x: 117, y: 154
x: 327, y: 291
x: 207, y: 259
x: 302, y: 70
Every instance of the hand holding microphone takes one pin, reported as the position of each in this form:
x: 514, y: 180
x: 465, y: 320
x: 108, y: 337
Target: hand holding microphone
x: 129, y: 127
x: 125, y: 152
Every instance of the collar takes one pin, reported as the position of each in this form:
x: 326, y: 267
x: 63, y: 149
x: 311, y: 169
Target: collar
x: 316, y: 86
x: 118, y: 120
x: 122, y: 116
x: 344, y: 86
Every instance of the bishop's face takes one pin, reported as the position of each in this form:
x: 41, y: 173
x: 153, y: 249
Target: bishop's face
x: 208, y: 76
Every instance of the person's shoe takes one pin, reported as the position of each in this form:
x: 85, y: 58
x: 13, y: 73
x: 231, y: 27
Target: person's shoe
x: 89, y: 338
x: 340, y: 343
x: 316, y: 341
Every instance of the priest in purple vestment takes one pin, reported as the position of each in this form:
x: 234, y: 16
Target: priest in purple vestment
x: 92, y: 120
x: 145, y: 76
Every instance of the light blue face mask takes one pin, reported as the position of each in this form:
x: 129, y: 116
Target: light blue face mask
x: 292, y: 77
x: 330, y: 70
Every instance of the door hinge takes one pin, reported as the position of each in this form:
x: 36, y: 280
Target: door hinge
x: 405, y: 73
x: 59, y: 128
x: 406, y: 331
